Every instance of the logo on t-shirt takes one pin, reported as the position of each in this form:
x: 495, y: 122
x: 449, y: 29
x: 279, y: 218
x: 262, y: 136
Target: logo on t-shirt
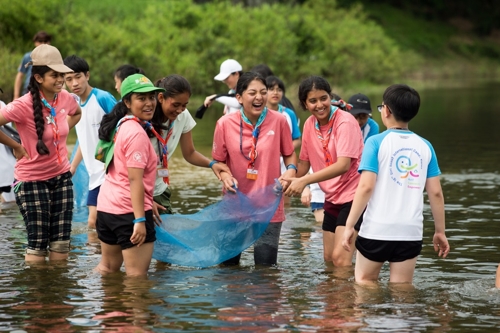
x: 271, y: 132
x: 405, y: 168
x: 137, y: 156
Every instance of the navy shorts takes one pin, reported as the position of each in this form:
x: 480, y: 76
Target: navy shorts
x: 92, y: 198
x: 336, y: 215
x: 114, y: 229
x: 316, y: 206
x: 391, y: 251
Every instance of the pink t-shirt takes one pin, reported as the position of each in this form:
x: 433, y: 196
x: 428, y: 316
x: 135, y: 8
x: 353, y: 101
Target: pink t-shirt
x: 345, y: 141
x: 41, y: 167
x: 132, y: 150
x: 275, y: 139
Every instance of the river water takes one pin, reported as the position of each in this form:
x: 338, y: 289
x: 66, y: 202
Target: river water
x: 301, y: 294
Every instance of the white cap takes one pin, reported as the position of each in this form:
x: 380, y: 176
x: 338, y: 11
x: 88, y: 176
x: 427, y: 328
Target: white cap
x: 228, y: 67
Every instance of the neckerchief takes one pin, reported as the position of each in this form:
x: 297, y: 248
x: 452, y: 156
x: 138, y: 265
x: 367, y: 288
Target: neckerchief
x: 163, y: 150
x: 326, y: 139
x: 51, y: 120
x: 255, y: 135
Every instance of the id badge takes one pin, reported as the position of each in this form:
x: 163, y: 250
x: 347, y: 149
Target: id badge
x: 252, y: 174
x: 162, y: 172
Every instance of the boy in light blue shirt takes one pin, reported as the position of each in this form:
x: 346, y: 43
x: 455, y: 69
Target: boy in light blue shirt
x: 361, y: 110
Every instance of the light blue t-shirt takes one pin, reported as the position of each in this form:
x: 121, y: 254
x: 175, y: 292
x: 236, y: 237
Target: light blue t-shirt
x: 295, y: 123
x: 403, y: 161
x: 369, y: 129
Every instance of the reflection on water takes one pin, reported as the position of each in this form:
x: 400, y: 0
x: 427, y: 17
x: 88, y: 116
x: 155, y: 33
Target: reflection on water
x: 301, y: 294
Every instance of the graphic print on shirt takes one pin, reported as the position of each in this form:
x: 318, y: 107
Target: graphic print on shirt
x: 405, y: 166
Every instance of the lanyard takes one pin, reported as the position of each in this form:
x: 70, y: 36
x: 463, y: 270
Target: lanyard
x: 326, y: 139
x: 255, y: 136
x: 51, y: 120
x: 162, y: 146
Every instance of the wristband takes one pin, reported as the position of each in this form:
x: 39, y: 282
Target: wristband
x: 211, y: 164
x: 291, y: 166
x: 139, y: 220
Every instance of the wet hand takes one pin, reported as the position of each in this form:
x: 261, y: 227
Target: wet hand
x: 347, y: 239
x: 230, y: 183
x: 306, y: 197
x: 156, y: 213
x: 220, y: 167
x: 139, y: 234
x: 441, y: 245
x: 295, y: 186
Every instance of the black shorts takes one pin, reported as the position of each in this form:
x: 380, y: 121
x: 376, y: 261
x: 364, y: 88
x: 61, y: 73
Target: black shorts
x: 115, y: 229
x: 336, y: 215
x: 391, y: 251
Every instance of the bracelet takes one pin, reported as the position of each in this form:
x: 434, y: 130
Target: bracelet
x: 211, y: 164
x: 291, y: 166
x: 139, y: 220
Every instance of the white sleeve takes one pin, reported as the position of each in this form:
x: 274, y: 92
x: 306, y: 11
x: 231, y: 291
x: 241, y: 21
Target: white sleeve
x: 232, y: 102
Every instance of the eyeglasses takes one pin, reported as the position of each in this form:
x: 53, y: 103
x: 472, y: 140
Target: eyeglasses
x: 380, y: 107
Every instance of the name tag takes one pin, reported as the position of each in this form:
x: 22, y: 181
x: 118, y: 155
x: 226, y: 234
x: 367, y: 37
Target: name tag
x: 252, y: 174
x: 162, y: 172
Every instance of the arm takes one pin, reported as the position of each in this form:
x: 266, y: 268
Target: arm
x: 289, y: 173
x: 361, y: 197
x: 436, y: 200
x: 77, y: 159
x: 336, y: 169
x: 297, y: 143
x: 209, y: 100
x: 19, y: 151
x: 194, y: 157
x: 18, y: 84
x: 229, y: 101
x: 75, y: 118
x: 135, y: 177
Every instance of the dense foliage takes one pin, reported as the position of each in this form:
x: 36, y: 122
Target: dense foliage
x: 192, y: 39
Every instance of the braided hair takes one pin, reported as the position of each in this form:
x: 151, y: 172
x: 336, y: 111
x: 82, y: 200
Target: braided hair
x: 34, y: 89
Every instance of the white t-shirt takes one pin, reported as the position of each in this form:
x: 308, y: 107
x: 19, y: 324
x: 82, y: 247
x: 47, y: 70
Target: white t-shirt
x: 6, y: 168
x: 98, y: 104
x: 402, y: 161
x: 231, y: 104
x: 183, y: 124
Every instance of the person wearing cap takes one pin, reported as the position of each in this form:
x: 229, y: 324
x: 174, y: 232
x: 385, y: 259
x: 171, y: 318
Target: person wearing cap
x: 230, y: 72
x: 43, y: 187
x: 95, y: 103
x: 361, y: 110
x: 23, y: 71
x: 125, y: 224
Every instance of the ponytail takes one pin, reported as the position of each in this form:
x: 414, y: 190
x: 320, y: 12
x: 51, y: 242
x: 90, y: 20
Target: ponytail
x: 110, y: 120
x: 34, y: 89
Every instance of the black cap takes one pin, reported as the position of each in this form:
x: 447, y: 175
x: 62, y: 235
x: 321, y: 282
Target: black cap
x: 360, y: 104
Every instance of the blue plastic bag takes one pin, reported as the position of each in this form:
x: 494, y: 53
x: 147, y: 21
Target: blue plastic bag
x: 80, y: 190
x: 217, y: 232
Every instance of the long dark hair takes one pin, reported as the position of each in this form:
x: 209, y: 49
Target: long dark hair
x: 126, y: 70
x: 109, y: 121
x: 245, y: 80
x: 174, y: 85
x: 34, y: 89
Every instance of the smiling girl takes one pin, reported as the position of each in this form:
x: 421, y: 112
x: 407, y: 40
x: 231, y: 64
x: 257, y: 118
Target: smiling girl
x: 125, y: 224
x: 251, y: 142
x: 173, y: 125
x: 43, y: 187
x: 332, y: 146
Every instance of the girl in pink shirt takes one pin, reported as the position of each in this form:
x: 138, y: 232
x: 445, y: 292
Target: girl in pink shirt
x: 251, y: 142
x: 332, y: 146
x: 125, y: 223
x: 43, y: 187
